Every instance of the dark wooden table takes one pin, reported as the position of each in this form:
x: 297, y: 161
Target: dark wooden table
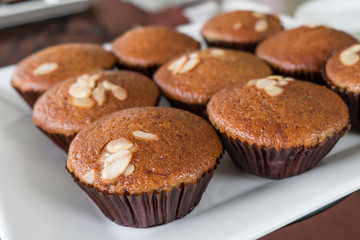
x: 108, y: 19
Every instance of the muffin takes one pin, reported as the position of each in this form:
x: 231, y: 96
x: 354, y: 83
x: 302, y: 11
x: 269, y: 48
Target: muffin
x: 278, y: 127
x: 301, y: 52
x: 342, y: 74
x: 145, y: 166
x: 66, y: 108
x: 39, y: 71
x: 188, y: 81
x: 241, y: 30
x: 147, y: 48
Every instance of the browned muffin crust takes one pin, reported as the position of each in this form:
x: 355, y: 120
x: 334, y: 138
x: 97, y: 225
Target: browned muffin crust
x: 343, y: 68
x: 185, y: 148
x: 302, y: 49
x: 43, y: 69
x: 148, y: 46
x: 301, y: 114
x: 54, y: 112
x: 212, y: 69
x: 241, y: 26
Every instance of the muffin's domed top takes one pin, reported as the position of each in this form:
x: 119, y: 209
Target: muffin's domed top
x: 279, y: 112
x: 147, y: 46
x: 71, y: 105
x: 144, y: 149
x: 43, y: 69
x: 241, y: 26
x: 194, y: 77
x: 304, y: 48
x: 343, y: 69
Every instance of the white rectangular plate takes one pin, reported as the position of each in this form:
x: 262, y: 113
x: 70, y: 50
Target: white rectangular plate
x: 38, y: 199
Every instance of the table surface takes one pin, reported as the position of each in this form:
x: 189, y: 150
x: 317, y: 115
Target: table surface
x: 108, y: 19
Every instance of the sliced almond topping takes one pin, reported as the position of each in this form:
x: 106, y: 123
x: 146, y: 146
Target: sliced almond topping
x: 355, y: 48
x: 82, y: 102
x: 45, y: 68
x: 119, y: 92
x: 89, y: 177
x: 275, y: 77
x: 189, y: 65
x: 134, y: 148
x: 273, y: 91
x: 145, y: 136
x: 237, y: 26
x: 251, y: 82
x: 289, y: 79
x: 80, y: 91
x: 99, y: 95
x: 87, y: 80
x: 258, y: 14
x: 83, y: 80
x: 310, y: 25
x: 349, y: 58
x: 194, y: 55
x: 118, y: 145
x: 213, y: 35
x: 84, y: 77
x: 103, y: 156
x: 93, y: 79
x: 261, y: 25
x: 115, y: 164
x: 129, y: 170
x: 176, y: 65
x: 216, y: 52
x: 263, y: 83
x: 108, y: 85
x: 282, y: 82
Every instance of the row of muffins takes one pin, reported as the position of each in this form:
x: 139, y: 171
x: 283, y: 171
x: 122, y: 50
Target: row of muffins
x: 140, y: 159
x: 136, y: 160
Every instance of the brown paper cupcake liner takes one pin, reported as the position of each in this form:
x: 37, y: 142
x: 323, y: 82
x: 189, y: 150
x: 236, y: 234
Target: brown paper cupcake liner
x: 60, y: 140
x: 148, y: 71
x: 270, y: 163
x: 248, y: 47
x: 29, y: 96
x: 197, y: 109
x: 149, y: 209
x: 314, y: 77
x: 351, y: 99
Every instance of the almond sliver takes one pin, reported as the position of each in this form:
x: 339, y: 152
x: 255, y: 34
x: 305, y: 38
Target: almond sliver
x: 115, y: 164
x: 189, y: 65
x: 118, y: 145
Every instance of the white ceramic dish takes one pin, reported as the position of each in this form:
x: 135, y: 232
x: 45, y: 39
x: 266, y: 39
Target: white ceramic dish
x: 38, y: 199
x: 340, y: 14
x: 35, y: 10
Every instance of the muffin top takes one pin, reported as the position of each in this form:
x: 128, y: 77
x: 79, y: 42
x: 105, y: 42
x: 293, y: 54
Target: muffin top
x: 148, y: 46
x: 194, y: 77
x: 305, y: 48
x: 278, y: 113
x: 144, y: 149
x: 241, y: 26
x: 69, y: 106
x: 43, y: 69
x: 343, y: 69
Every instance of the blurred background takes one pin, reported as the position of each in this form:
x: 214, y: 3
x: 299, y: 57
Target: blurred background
x: 29, y: 25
